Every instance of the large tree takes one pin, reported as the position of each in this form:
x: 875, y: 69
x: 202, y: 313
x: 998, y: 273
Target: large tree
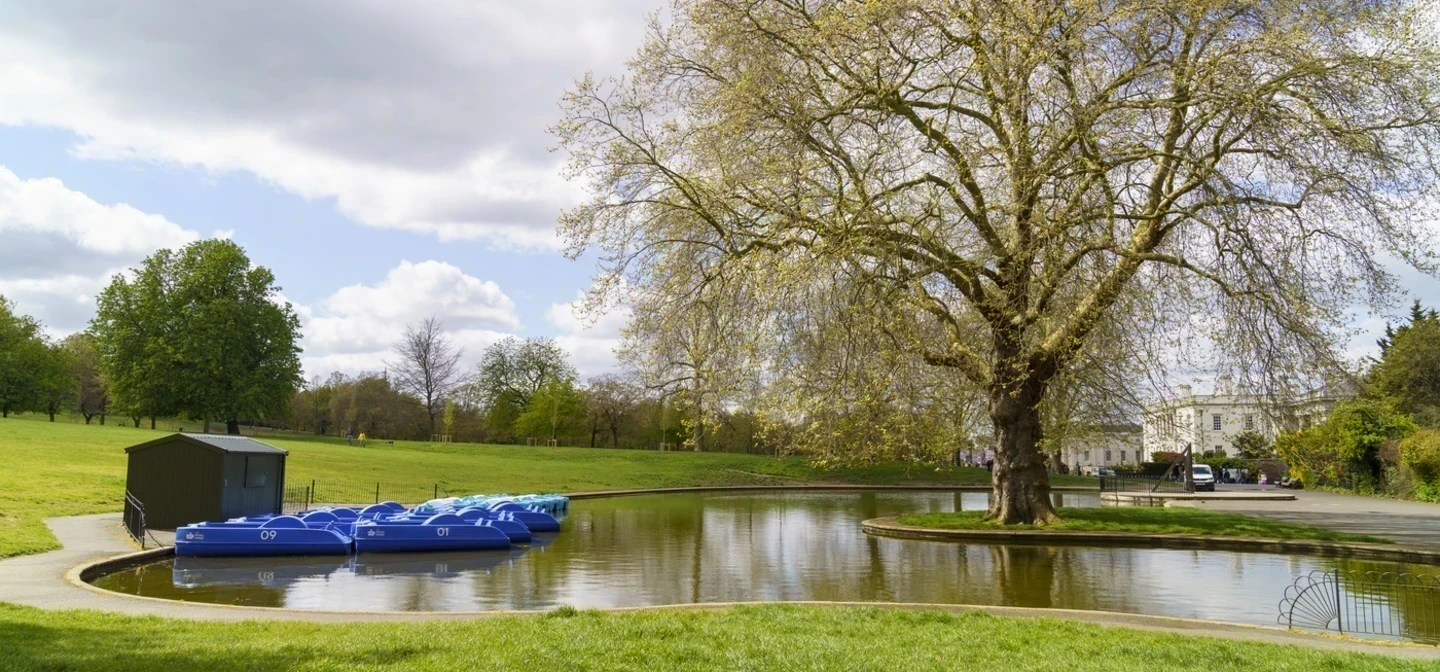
x: 1026, y: 174
x: 1408, y: 373
x: 201, y: 333
x: 428, y: 366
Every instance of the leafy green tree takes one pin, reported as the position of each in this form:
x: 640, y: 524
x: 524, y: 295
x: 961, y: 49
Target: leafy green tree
x: 1253, y: 446
x: 512, y: 372
x: 554, y: 408
x: 1408, y: 373
x: 57, y: 384
x: 25, y: 362
x: 199, y: 333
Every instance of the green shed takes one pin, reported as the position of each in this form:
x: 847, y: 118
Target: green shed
x: 189, y: 478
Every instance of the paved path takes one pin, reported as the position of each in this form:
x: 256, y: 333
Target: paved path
x: 1406, y: 523
x: 39, y: 581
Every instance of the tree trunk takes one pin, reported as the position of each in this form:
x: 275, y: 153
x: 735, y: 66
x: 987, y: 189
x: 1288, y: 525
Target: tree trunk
x: 4, y: 412
x: 152, y: 422
x: 135, y: 419
x: 232, y: 427
x: 52, y: 414
x: 206, y: 428
x: 614, y: 437
x: 1020, y: 486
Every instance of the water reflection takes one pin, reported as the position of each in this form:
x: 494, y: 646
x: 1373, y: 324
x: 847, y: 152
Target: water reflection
x: 746, y: 547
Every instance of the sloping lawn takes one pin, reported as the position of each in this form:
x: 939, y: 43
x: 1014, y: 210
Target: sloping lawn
x: 66, y: 469
x: 756, y: 639
x: 1152, y: 520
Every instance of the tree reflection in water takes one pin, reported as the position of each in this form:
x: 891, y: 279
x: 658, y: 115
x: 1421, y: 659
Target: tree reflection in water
x: 770, y: 546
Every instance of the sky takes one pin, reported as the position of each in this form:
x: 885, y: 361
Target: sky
x: 387, y: 160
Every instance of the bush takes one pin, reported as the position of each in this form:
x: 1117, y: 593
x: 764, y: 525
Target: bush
x: 1345, y: 449
x: 1421, y: 452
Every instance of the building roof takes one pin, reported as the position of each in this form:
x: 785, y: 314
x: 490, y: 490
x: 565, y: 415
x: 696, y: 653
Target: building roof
x: 219, y: 442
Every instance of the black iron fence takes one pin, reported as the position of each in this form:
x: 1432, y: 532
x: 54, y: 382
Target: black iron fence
x: 134, y: 517
x: 1387, y: 604
x: 1141, y: 483
x: 332, y: 493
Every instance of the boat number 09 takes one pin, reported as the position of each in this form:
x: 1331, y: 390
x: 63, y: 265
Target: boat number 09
x: 267, y: 535
x: 442, y: 531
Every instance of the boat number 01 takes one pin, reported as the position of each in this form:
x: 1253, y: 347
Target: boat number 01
x: 442, y: 531
x: 267, y: 535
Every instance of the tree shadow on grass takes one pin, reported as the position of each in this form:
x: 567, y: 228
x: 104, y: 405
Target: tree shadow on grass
x: 143, y: 645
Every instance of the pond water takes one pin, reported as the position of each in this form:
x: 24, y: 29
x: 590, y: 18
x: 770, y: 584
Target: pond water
x: 670, y: 549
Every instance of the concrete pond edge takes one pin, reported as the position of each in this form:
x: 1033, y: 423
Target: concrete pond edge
x: 81, y: 576
x: 890, y: 527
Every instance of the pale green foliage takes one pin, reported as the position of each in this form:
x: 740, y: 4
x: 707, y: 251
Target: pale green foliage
x: 1017, y: 180
x: 1344, y: 450
x: 554, y: 408
x: 1421, y: 452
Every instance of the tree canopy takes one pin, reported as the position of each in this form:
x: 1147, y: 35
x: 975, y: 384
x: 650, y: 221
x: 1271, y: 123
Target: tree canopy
x: 29, y: 364
x: 1011, y: 179
x: 199, y: 333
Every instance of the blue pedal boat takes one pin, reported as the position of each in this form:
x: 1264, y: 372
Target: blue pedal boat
x: 440, y: 532
x: 537, y: 521
x: 280, y: 535
x: 516, y: 530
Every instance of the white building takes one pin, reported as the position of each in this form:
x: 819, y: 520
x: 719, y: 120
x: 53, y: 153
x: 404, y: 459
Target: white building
x: 1213, y: 421
x: 1106, y: 446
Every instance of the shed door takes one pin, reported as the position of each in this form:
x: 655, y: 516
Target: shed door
x: 251, y: 483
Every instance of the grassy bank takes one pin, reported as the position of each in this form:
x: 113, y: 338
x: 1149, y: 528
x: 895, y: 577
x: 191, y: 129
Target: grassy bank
x: 63, y: 469
x: 745, y: 638
x: 1148, y: 520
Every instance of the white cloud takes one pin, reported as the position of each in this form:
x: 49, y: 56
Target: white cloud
x: 427, y: 117
x: 357, y: 325
x: 59, y: 247
x: 590, y: 340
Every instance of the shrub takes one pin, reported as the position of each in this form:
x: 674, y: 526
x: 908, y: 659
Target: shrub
x: 1345, y: 449
x: 1421, y: 452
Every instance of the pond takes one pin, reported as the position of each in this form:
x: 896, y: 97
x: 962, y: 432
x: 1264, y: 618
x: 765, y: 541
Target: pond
x: 741, y: 547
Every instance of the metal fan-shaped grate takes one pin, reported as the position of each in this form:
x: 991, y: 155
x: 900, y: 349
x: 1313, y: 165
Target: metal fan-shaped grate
x: 1312, y: 602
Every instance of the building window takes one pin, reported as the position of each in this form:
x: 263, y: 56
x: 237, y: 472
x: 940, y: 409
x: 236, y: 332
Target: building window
x: 1249, y: 423
x: 1107, y: 457
x: 1087, y: 456
x: 1215, y: 420
x: 1122, y: 457
x: 1220, y: 450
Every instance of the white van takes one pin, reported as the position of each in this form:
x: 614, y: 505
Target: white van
x: 1203, y: 477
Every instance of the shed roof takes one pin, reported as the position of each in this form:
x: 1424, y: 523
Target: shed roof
x: 220, y: 442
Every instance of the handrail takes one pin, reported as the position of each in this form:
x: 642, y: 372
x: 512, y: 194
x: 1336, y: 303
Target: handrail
x: 135, y: 518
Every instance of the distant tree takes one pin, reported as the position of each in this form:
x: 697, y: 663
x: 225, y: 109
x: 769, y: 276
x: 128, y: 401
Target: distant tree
x: 610, y: 402
x: 91, y: 397
x: 199, y: 333
x: 1418, y: 313
x: 25, y: 360
x: 449, y: 416
x: 428, y: 365
x: 1345, y: 448
x: 56, y: 379
x: 554, y: 408
x: 1408, y: 373
x: 1253, y: 446
x: 511, y: 373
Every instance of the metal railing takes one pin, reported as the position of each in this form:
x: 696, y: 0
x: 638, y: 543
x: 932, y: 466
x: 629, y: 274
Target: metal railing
x: 330, y: 493
x: 1143, y: 483
x: 134, y: 516
x: 1385, y: 604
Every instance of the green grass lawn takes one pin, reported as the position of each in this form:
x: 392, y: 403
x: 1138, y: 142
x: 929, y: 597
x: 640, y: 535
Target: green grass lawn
x: 66, y: 469
x: 1154, y: 520
x: 744, y: 638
